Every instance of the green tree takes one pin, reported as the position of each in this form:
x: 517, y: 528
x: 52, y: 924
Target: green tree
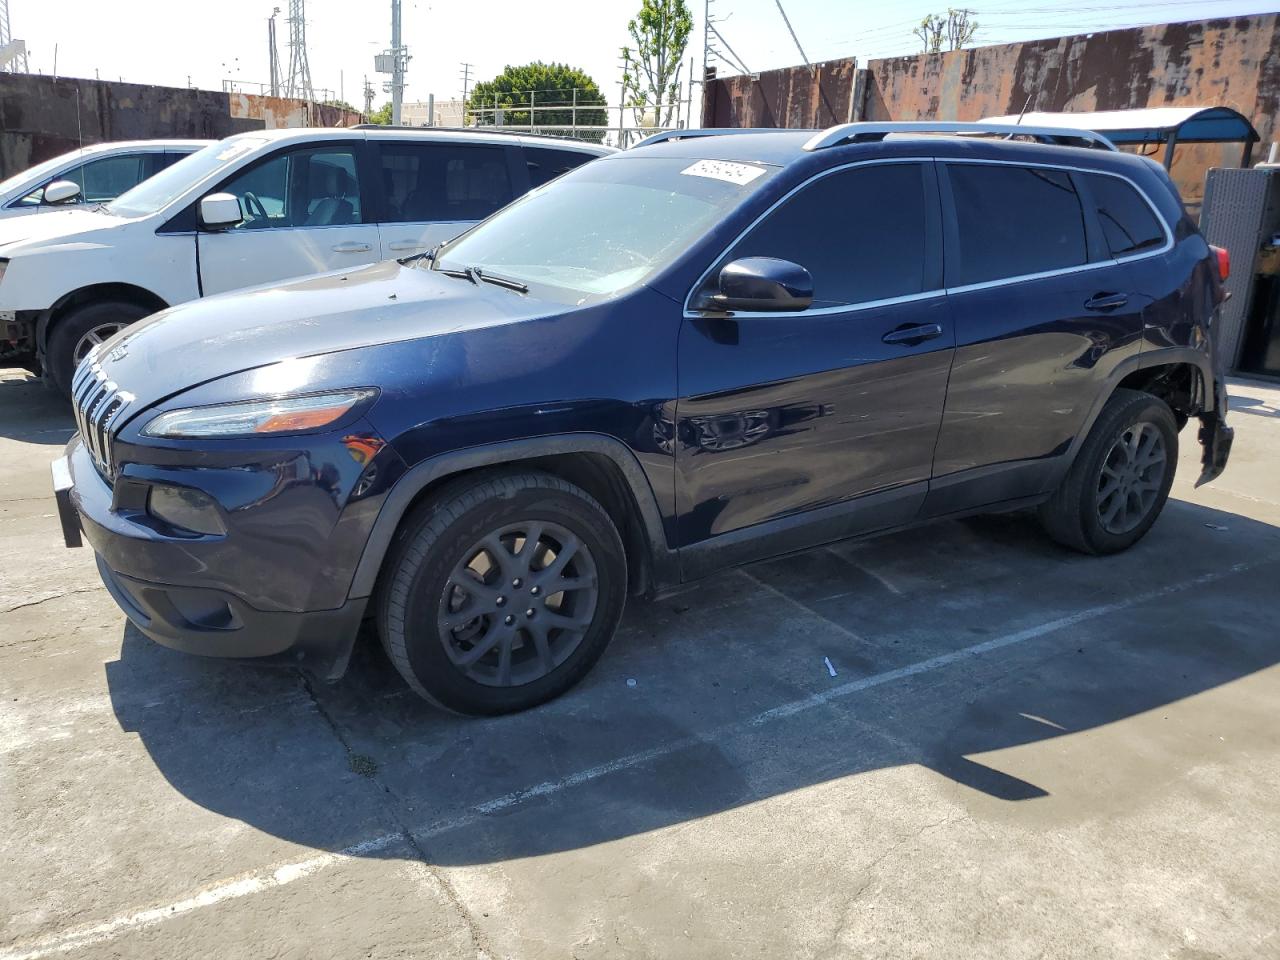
x: 651, y: 72
x: 541, y: 85
x: 382, y: 115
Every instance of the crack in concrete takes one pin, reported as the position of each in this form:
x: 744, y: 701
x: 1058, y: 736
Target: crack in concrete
x: 392, y: 807
x: 52, y: 596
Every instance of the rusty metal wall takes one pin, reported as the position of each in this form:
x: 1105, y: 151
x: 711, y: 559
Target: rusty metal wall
x: 1231, y: 62
x: 42, y: 117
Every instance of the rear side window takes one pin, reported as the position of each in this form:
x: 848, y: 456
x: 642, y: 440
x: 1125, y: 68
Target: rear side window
x: 438, y: 182
x: 860, y: 233
x: 1128, y: 222
x: 1015, y: 221
x: 545, y: 165
x: 102, y: 179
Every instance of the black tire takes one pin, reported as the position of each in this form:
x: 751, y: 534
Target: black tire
x: 1076, y: 514
x: 69, y: 330
x: 424, y: 639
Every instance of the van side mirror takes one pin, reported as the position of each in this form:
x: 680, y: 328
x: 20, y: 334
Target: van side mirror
x: 760, y: 284
x: 61, y: 191
x: 219, y: 211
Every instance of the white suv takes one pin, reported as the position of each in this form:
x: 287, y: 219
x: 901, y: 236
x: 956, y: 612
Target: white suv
x: 253, y: 209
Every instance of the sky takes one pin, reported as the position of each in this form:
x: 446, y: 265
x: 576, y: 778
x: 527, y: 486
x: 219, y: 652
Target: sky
x: 204, y: 42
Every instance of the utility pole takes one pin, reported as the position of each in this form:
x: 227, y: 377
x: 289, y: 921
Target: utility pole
x: 368, y: 97
x: 298, y: 84
x: 398, y: 64
x: 466, y: 88
x: 273, y: 52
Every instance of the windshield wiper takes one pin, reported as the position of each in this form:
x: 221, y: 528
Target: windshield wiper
x: 426, y: 255
x: 500, y: 281
x: 475, y: 275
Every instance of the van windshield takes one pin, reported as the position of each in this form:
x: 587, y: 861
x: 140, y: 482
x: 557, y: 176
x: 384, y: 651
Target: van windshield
x: 169, y: 184
x: 607, y: 226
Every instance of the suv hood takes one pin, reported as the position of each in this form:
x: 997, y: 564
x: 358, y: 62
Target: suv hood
x: 191, y: 344
x: 17, y: 233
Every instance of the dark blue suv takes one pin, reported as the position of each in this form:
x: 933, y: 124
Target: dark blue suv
x: 697, y: 353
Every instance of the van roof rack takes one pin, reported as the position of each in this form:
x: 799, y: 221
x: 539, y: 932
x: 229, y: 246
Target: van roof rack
x: 667, y: 135
x: 873, y: 131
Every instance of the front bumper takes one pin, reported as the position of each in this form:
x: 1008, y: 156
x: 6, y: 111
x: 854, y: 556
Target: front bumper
x: 201, y: 620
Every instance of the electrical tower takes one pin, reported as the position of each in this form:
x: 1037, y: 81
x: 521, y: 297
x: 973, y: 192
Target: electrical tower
x: 298, y: 82
x: 466, y: 88
x: 13, y: 53
x: 273, y: 52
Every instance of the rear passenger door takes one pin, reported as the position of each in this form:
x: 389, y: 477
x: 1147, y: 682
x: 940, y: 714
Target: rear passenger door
x: 1043, y: 316
x: 431, y: 192
x: 805, y: 427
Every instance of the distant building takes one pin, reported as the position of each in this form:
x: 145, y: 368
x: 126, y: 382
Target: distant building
x: 448, y: 113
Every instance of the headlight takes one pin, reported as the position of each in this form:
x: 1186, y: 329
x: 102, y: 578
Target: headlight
x: 258, y: 417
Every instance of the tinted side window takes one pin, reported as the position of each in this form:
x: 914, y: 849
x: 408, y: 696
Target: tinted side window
x: 314, y: 187
x: 1015, y: 221
x: 100, y: 180
x: 443, y: 182
x: 1128, y: 222
x: 859, y: 232
x: 545, y: 165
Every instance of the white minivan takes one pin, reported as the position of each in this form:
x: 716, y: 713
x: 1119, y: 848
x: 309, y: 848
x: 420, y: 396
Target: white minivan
x: 252, y: 209
x: 95, y: 174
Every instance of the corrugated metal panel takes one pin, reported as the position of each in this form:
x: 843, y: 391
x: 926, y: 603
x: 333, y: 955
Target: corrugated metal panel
x: 1234, y: 205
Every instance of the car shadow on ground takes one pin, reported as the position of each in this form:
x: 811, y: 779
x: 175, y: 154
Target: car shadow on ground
x: 34, y: 412
x: 948, y: 642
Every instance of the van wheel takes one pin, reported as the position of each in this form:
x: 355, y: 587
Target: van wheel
x: 83, y: 328
x: 1120, y: 479
x: 502, y: 593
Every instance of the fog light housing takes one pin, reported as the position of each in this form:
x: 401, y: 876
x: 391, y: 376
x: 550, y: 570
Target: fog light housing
x: 186, y: 509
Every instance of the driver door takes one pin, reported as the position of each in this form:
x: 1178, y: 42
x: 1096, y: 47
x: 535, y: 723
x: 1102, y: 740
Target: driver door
x: 303, y: 214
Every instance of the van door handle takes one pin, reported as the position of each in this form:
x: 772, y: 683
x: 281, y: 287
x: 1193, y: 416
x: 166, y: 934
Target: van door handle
x: 353, y: 246
x: 1106, y: 301
x: 406, y: 245
x: 916, y: 333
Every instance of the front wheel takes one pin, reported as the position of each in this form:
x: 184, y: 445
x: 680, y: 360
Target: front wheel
x: 502, y: 593
x: 79, y: 331
x: 1120, y: 479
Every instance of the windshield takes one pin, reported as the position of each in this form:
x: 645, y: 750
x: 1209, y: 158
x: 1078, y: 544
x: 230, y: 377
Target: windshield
x: 38, y: 173
x: 607, y: 226
x: 169, y: 184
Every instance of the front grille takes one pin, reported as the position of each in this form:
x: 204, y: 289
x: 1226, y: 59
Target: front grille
x: 99, y: 406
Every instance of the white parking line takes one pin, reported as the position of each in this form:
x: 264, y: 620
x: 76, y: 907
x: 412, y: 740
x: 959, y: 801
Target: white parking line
x: 267, y: 878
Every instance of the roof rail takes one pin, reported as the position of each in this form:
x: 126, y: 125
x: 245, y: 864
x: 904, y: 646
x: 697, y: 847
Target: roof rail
x: 854, y: 132
x: 667, y: 135
x: 480, y: 131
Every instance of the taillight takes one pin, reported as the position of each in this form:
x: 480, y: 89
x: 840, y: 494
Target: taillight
x: 1224, y: 261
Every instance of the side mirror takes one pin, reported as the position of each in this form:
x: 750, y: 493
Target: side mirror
x: 219, y: 211
x: 61, y: 191
x: 761, y: 284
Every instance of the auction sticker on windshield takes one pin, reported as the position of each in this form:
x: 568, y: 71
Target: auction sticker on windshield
x: 739, y: 173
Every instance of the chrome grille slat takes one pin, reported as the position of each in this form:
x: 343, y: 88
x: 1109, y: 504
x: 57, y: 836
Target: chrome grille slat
x: 99, y: 404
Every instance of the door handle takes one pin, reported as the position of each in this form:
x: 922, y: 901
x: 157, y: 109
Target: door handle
x: 353, y: 247
x: 405, y: 245
x: 1106, y: 301
x: 916, y: 333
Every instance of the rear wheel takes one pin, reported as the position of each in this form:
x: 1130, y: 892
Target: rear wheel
x: 1120, y: 479
x: 80, y: 330
x: 502, y: 593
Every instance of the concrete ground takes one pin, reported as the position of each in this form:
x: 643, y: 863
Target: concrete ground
x: 1023, y: 753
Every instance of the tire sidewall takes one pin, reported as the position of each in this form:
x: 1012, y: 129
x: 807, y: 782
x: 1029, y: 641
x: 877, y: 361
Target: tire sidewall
x: 59, y: 362
x: 424, y: 569
x: 1151, y: 410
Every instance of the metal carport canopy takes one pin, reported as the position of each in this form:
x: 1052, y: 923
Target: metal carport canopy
x: 1154, y: 125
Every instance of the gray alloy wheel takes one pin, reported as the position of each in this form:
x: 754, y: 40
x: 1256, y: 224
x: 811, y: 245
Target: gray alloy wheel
x: 1131, y: 478
x: 95, y: 336
x: 518, y: 603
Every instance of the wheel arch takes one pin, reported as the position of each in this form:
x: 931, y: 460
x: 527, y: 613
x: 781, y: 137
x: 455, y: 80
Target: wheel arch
x: 603, y: 466
x: 92, y: 293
